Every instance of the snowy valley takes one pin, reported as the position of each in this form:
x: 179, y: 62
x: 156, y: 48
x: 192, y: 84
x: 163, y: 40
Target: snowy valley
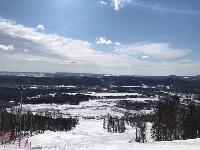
x: 91, y: 105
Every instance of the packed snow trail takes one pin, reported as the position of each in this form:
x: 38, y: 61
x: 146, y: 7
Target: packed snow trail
x: 90, y: 135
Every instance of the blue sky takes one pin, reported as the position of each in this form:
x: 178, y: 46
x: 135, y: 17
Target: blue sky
x: 138, y: 37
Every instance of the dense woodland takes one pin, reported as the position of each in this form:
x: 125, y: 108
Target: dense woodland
x: 59, y: 99
x: 174, y: 121
x: 135, y: 119
x: 114, y: 124
x: 14, y: 125
x: 9, y: 87
x: 131, y: 105
x: 30, y: 96
x: 171, y: 120
x: 179, y: 84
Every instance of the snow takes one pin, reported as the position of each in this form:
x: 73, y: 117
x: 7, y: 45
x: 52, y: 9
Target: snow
x: 111, y: 94
x: 11, y: 102
x: 37, y: 96
x: 91, y: 108
x: 65, y: 86
x: 33, y: 87
x: 52, y: 94
x: 131, y: 86
x: 90, y: 135
x: 104, y: 94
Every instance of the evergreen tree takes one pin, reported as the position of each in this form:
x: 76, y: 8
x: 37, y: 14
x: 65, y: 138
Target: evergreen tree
x: 140, y: 132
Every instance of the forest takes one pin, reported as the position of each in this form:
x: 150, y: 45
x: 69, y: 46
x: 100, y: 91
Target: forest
x: 174, y: 121
x: 18, y: 125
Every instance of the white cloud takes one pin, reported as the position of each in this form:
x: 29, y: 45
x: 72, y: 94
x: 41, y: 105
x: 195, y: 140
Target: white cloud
x: 117, y: 43
x: 6, y: 47
x: 103, y: 41
x: 116, y: 4
x: 154, y: 50
x: 145, y: 57
x: 31, y: 59
x: 26, y: 50
x: 61, y: 51
x: 72, y: 62
x: 102, y: 3
x: 61, y: 48
x: 154, y: 6
x: 40, y: 27
x: 151, y: 5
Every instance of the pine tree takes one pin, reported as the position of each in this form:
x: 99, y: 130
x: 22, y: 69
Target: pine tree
x: 140, y: 132
x: 166, y: 120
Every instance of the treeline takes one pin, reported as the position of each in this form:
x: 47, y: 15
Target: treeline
x: 58, y: 99
x: 15, y: 124
x: 14, y: 81
x: 139, y: 121
x: 136, y: 105
x: 133, y: 120
x: 174, y: 121
x: 38, y: 96
x: 114, y: 124
x: 180, y: 84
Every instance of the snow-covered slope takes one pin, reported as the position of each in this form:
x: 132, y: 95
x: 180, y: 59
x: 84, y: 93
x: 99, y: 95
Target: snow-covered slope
x: 89, y: 135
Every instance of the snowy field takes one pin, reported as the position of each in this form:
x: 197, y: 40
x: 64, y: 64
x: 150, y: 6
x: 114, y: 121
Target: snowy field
x: 91, y: 108
x: 90, y: 135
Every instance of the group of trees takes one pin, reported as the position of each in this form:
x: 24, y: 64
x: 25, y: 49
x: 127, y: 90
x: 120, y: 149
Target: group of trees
x: 139, y: 122
x: 133, y: 120
x: 114, y: 124
x: 136, y: 105
x: 16, y: 124
x: 140, y: 134
x: 38, y: 96
x: 117, y: 125
x: 59, y: 98
x: 174, y: 121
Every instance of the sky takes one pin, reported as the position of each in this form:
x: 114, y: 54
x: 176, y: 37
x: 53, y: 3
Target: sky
x: 120, y: 37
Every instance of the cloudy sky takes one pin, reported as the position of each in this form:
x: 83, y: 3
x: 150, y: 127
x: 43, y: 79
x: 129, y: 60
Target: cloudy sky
x: 134, y: 37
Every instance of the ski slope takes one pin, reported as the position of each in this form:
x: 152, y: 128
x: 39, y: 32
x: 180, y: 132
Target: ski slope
x: 90, y: 135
